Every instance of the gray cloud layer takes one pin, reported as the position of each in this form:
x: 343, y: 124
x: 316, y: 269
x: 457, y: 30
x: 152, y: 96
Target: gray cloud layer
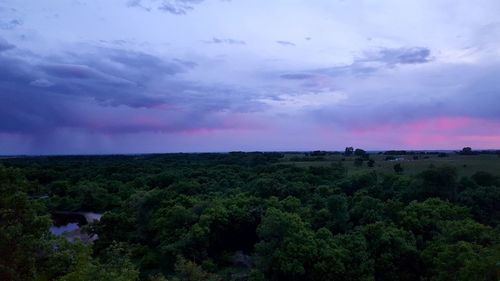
x: 10, y: 24
x: 41, y: 94
x: 297, y: 76
x: 175, y: 7
x: 225, y: 41
x: 399, y: 56
x: 286, y: 43
x: 4, y: 45
x: 370, y: 62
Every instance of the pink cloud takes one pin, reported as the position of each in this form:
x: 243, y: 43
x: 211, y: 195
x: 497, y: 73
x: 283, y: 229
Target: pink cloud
x: 446, y: 132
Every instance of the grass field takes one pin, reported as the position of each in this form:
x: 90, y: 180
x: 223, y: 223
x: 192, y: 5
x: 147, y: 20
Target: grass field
x: 466, y: 165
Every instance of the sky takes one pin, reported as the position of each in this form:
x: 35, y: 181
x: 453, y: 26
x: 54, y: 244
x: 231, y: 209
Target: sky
x: 152, y: 76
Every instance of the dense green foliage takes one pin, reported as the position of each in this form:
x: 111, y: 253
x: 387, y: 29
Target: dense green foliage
x: 29, y: 252
x: 247, y: 216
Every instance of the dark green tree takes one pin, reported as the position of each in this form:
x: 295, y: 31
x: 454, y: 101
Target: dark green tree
x: 287, y: 247
x: 394, y: 252
x: 23, y: 228
x: 398, y: 168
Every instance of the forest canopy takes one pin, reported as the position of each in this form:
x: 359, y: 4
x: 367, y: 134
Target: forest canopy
x: 249, y: 216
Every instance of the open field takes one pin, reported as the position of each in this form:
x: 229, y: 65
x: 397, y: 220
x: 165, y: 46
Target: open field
x: 466, y: 165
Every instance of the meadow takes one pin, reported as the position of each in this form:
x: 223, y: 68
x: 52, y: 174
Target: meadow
x: 465, y: 165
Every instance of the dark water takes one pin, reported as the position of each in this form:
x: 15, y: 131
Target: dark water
x: 62, y: 229
x: 68, y: 225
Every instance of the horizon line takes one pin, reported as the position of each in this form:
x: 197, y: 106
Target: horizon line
x: 229, y: 151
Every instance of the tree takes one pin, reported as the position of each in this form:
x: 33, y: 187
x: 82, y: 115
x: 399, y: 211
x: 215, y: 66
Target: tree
x: 482, y: 267
x: 22, y: 228
x: 393, y: 250
x: 116, y: 266
x: 189, y: 271
x: 339, y: 214
x: 466, y: 151
x: 398, y: 168
x: 360, y: 153
x: 455, y: 247
x: 461, y: 261
x: 366, y: 209
x: 423, y: 218
x: 370, y: 163
x: 438, y: 182
x: 287, y: 249
x: 486, y: 179
x: 442, y: 262
x: 242, y: 216
x: 349, y: 151
x: 29, y: 252
x: 330, y: 258
x: 483, y: 202
x: 358, y: 264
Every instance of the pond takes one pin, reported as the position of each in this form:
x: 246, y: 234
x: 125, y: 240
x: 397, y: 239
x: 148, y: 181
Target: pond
x: 69, y: 225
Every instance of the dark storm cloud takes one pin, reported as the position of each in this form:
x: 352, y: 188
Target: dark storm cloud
x: 412, y: 55
x: 286, y: 43
x: 25, y: 108
x: 35, y: 96
x: 372, y: 61
x: 109, y: 76
x: 79, y: 90
x: 118, y: 80
x: 225, y: 41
